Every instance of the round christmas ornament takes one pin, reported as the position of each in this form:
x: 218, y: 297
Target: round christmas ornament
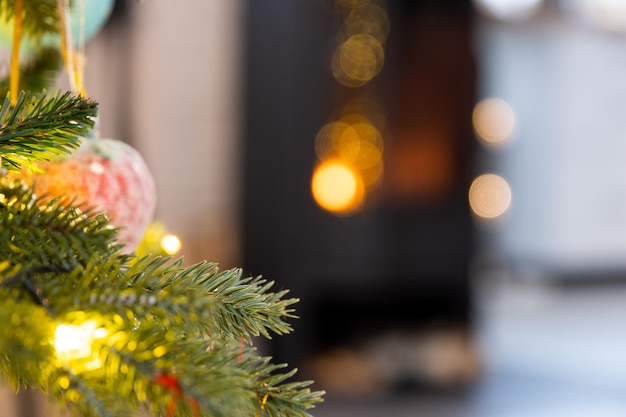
x: 109, y: 176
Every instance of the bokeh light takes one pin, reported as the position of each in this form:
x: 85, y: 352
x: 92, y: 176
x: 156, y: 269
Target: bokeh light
x: 360, y: 143
x: 350, y: 146
x: 359, y: 129
x: 337, y: 187
x: 372, y: 175
x: 325, y: 139
x: 489, y: 196
x: 365, y: 108
x: 355, y: 141
x: 508, y: 9
x: 606, y: 14
x: 171, y: 244
x: 358, y: 60
x: 75, y: 341
x: 494, y: 121
x: 158, y: 241
x: 368, y: 19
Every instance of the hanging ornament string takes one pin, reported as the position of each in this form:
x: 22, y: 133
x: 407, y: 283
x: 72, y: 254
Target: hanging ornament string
x: 79, y: 57
x: 74, y: 60
x: 14, y: 78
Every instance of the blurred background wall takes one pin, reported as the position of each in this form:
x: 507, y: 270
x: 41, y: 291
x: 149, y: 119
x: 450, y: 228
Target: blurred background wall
x: 169, y: 80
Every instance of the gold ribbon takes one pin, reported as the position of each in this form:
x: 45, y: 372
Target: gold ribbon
x: 14, y: 78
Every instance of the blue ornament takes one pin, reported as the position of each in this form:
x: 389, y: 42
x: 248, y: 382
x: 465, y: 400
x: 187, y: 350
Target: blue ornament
x: 96, y: 13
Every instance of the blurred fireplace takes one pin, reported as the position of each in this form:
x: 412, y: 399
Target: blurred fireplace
x: 402, y: 261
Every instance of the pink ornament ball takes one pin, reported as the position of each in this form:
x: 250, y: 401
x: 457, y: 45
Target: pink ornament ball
x: 108, y: 176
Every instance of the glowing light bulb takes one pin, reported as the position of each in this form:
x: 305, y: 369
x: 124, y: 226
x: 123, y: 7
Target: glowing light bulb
x: 489, y: 196
x: 171, y: 244
x: 337, y: 187
x: 75, y: 341
x: 494, y: 121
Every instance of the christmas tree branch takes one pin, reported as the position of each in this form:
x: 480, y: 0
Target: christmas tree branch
x: 71, y: 390
x: 198, y: 298
x: 169, y: 337
x: 275, y: 394
x: 38, y: 129
x: 34, y: 234
x: 23, y: 278
x: 22, y: 354
x: 227, y: 302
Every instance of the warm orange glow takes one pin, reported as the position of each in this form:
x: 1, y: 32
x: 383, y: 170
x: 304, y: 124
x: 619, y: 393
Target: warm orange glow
x: 489, y: 196
x: 494, y: 121
x: 336, y: 187
x: 359, y: 131
x: 353, y: 140
x: 361, y: 57
x: 364, y: 108
x: 373, y: 174
x: 341, y: 76
x: 358, y: 60
x: 325, y: 141
x: 361, y: 154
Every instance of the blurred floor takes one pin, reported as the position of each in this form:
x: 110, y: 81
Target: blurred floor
x: 547, y: 352
x: 418, y: 405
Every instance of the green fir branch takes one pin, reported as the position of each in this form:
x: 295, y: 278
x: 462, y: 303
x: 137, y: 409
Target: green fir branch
x: 39, y: 129
x: 200, y: 298
x: 176, y: 339
x: 83, y: 398
x: 228, y: 302
x: 38, y: 234
x: 276, y: 393
x: 24, y: 353
x: 162, y: 320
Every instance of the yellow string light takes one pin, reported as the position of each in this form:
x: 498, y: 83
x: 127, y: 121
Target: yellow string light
x: 74, y: 345
x: 170, y: 244
x: 75, y: 341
